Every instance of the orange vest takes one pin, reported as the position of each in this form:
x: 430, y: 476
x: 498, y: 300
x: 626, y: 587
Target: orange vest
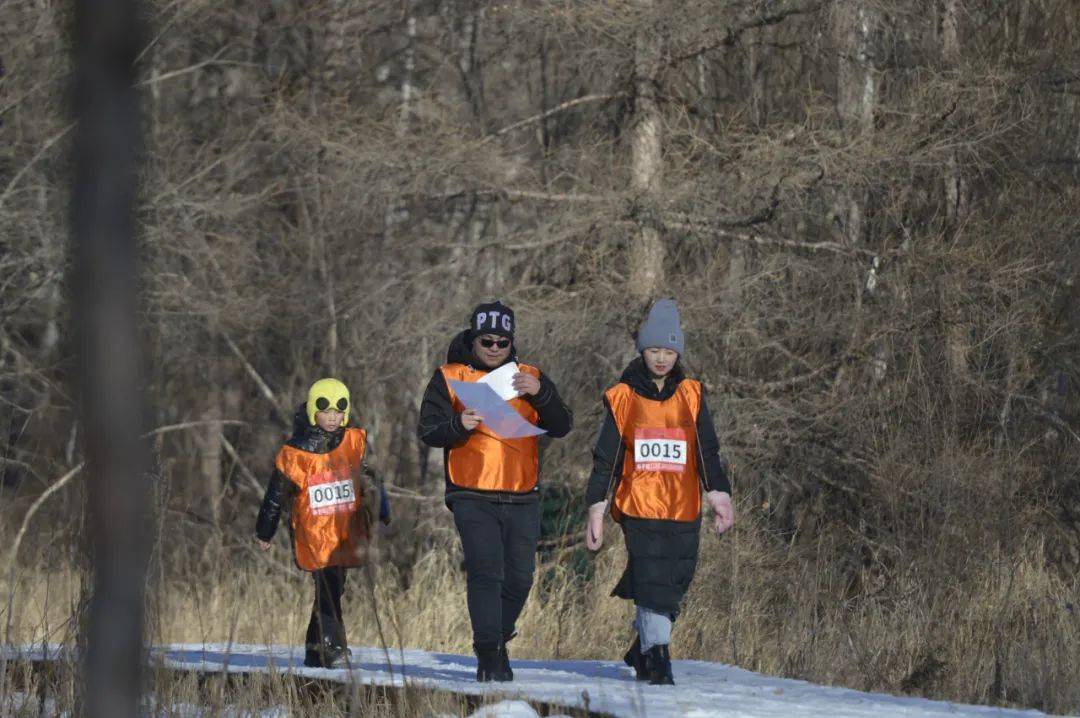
x: 488, y: 462
x: 327, y: 520
x: 660, y: 470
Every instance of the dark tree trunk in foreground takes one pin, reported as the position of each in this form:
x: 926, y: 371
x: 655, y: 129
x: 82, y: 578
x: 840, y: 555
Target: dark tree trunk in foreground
x: 108, y: 374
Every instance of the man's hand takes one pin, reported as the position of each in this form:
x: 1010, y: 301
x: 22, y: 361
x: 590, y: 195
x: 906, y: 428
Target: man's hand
x: 264, y: 545
x: 724, y: 512
x: 594, y: 528
x: 470, y: 419
x: 525, y: 384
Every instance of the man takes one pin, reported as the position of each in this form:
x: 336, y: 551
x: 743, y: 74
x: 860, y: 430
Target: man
x: 492, y: 482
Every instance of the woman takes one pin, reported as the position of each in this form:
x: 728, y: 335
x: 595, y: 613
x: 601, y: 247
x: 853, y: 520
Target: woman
x: 658, y: 448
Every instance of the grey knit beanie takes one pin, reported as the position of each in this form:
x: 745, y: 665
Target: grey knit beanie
x: 661, y: 328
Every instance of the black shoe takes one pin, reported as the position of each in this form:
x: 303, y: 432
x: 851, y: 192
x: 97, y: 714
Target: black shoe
x: 636, y: 660
x: 327, y: 656
x: 658, y: 664
x: 490, y: 666
x: 336, y: 657
x: 504, y: 657
x: 504, y: 669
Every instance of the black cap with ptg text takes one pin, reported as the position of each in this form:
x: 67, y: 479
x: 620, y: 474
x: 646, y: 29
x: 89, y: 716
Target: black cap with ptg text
x: 493, y: 318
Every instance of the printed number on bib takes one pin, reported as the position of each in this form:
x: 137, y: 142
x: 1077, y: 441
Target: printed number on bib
x: 660, y: 450
x: 331, y: 497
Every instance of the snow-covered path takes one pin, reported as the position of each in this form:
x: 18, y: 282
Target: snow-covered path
x: 703, y: 689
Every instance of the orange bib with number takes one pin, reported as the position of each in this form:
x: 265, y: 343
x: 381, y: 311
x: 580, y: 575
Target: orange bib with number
x: 328, y: 524
x: 660, y: 469
x: 489, y: 462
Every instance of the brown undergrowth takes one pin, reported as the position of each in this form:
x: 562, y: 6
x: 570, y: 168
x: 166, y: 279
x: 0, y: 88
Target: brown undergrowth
x: 998, y: 627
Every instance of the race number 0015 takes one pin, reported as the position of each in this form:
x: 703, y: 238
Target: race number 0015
x: 660, y: 450
x: 331, y: 496
x: 665, y: 450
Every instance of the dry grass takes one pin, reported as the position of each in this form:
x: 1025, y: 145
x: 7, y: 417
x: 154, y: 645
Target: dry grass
x: 1004, y: 631
x: 38, y: 691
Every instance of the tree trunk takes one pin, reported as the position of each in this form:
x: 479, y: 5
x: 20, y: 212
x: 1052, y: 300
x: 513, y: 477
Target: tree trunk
x: 104, y: 322
x: 408, y: 69
x: 210, y: 459
x: 855, y: 25
x: 647, y: 249
x: 957, y: 334
x: 756, y: 74
x: 856, y: 92
x: 950, y: 52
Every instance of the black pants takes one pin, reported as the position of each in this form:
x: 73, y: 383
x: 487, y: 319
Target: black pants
x: 499, y: 541
x: 326, y: 627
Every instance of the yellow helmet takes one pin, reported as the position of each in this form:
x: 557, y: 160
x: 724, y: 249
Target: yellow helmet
x: 328, y: 394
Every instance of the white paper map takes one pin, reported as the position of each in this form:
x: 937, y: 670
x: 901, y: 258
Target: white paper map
x: 502, y: 381
x: 500, y: 417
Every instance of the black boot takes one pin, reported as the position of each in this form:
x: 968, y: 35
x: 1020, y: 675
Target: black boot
x: 489, y: 664
x: 504, y: 659
x: 312, y: 656
x: 326, y: 655
x: 336, y: 657
x: 636, y: 660
x: 658, y: 663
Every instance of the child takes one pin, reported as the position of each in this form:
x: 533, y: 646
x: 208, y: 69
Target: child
x: 322, y: 475
x: 658, y: 445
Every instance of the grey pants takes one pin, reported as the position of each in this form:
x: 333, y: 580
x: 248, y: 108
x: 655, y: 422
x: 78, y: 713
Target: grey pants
x: 653, y: 628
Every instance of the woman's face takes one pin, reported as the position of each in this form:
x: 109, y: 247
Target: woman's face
x: 660, y: 361
x: 491, y: 349
x: 329, y: 419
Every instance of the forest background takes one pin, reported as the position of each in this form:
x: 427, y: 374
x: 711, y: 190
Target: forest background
x: 865, y: 209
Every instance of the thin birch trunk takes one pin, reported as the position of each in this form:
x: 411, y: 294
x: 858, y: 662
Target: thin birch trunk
x: 647, y: 249
x: 855, y: 24
x: 957, y: 334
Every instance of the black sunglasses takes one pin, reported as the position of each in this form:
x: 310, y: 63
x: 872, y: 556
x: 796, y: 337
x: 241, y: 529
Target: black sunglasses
x: 488, y: 343
x: 322, y: 404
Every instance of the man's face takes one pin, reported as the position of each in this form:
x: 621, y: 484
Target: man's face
x: 491, y: 349
x: 659, y: 361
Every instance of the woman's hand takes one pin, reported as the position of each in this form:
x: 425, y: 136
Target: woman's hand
x: 264, y: 545
x: 723, y: 511
x: 594, y: 527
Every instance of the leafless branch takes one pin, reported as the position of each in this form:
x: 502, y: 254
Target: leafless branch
x: 562, y: 107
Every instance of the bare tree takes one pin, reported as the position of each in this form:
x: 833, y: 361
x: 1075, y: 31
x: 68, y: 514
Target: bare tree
x: 646, y: 170
x: 109, y: 374
x: 856, y: 91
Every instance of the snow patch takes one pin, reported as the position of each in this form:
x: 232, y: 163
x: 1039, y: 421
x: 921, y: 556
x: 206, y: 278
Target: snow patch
x: 506, y: 709
x: 702, y: 689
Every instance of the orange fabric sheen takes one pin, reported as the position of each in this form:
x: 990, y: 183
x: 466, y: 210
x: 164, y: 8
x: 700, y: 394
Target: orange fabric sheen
x: 486, y: 461
x: 660, y: 469
x: 327, y: 523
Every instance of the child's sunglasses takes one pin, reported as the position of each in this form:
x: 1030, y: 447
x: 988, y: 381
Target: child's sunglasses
x: 488, y: 343
x: 322, y: 404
